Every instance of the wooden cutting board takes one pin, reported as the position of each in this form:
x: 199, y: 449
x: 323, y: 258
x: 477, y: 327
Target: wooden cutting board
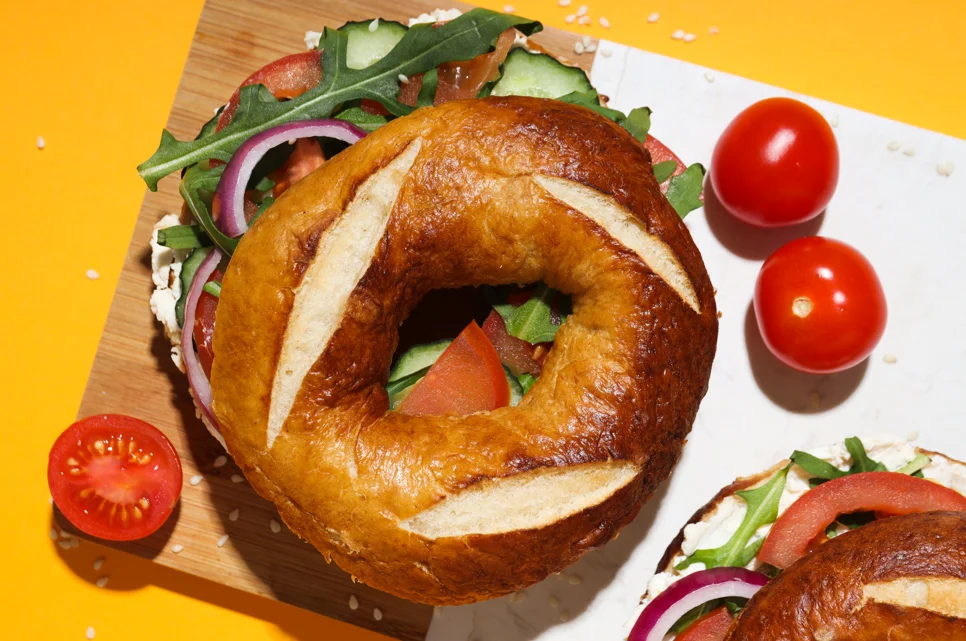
x: 133, y: 372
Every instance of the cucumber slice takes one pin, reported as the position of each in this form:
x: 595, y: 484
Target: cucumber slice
x: 516, y: 390
x: 417, y: 359
x: 367, y: 46
x: 398, y: 390
x: 188, y: 269
x: 540, y: 76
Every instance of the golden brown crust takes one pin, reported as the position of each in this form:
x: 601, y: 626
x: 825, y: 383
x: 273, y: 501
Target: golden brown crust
x: 824, y: 595
x: 623, y: 381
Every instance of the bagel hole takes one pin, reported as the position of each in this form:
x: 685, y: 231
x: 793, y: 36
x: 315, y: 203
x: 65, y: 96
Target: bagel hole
x: 442, y: 314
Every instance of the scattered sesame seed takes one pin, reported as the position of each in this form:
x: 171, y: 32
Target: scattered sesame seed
x: 41, y: 143
x: 64, y: 544
x: 377, y: 614
x: 275, y: 526
x: 574, y: 579
x: 570, y: 18
x: 591, y: 48
x: 689, y: 37
x: 509, y: 8
x: 53, y: 534
x: 833, y: 121
x: 237, y: 478
x: 713, y: 31
x: 233, y: 515
x: 353, y: 602
x: 564, y: 616
x: 889, y: 358
x: 101, y: 582
x: 553, y: 601
x: 912, y: 436
x: 586, y: 41
x: 195, y: 480
x: 222, y: 540
x: 92, y: 274
x: 945, y: 168
x: 220, y: 461
x: 814, y: 400
x: 564, y: 3
x: 436, y: 611
x: 584, y: 20
x: 894, y: 145
x: 654, y: 17
x: 50, y: 499
x: 74, y: 542
x: 607, y: 53
x: 98, y: 563
x: 90, y: 632
x: 177, y: 548
x: 604, y: 22
x: 374, y: 25
x: 578, y: 47
x: 678, y: 35
x: 709, y: 76
x: 582, y: 10
x: 518, y: 597
x: 909, y: 151
x: 403, y: 78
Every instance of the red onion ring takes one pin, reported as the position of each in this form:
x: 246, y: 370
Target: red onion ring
x: 197, y: 380
x: 689, y: 592
x: 231, y: 188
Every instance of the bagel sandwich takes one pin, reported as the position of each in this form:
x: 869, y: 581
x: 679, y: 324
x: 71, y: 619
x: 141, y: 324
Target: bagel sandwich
x: 322, y: 210
x: 857, y: 541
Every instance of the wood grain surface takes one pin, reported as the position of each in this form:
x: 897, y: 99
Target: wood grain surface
x: 133, y: 373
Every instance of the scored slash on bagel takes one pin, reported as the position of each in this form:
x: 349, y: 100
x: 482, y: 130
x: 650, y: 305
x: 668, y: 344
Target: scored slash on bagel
x: 454, y: 509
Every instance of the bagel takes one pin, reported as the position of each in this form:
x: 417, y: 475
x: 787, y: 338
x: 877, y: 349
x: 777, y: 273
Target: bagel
x: 901, y: 579
x: 455, y: 509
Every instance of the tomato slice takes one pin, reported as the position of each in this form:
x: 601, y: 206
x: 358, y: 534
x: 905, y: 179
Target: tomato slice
x: 114, y: 477
x: 887, y: 492
x: 661, y: 153
x: 287, y: 77
x: 517, y: 354
x: 204, y: 328
x: 466, y: 378
x: 464, y: 79
x: 713, y: 626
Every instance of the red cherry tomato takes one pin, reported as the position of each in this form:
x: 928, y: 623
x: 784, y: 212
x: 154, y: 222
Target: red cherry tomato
x: 713, y: 626
x: 287, y: 77
x: 114, y: 477
x: 819, y: 304
x: 776, y: 164
x: 468, y: 377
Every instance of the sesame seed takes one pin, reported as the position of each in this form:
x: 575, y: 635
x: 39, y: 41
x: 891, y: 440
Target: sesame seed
x: 833, y: 121
x: 893, y: 145
x: 604, y: 22
x: 353, y: 602
x: 53, y: 534
x: 564, y: 3
x: 586, y: 41
x: 570, y: 18
x: 678, y: 35
x: 945, y: 168
x: 177, y: 548
x: 195, y: 480
x: 90, y: 632
x: 275, y: 526
x: 654, y: 17
x: 403, y: 78
x: 689, y: 37
x: 553, y: 601
x: 574, y: 579
x: 709, y: 76
x: 74, y: 542
x: 509, y: 8
x: 64, y: 544
x: 582, y: 10
x: 578, y: 47
x: 889, y: 358
x: 909, y: 151
x: 92, y: 274
x: 713, y: 31
x: 591, y: 48
x: 518, y: 597
x: 584, y: 20
x: 101, y: 582
x: 912, y: 436
x: 222, y: 540
x: 237, y: 478
x: 607, y: 53
x: 233, y: 515
x: 564, y: 616
x: 436, y: 611
x: 50, y: 499
x: 374, y: 25
x: 377, y: 614
x: 220, y: 461
x: 98, y: 563
x: 41, y: 143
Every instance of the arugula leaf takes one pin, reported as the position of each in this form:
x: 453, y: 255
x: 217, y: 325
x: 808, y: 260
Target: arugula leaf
x: 684, y: 190
x: 663, y: 170
x: 196, y: 181
x: 188, y: 269
x: 860, y: 459
x: 427, y: 93
x: 637, y: 122
x: 531, y: 321
x: 526, y: 381
x: 265, y: 204
x: 816, y: 466
x: 362, y: 119
x: 213, y: 287
x: 762, y: 509
x: 183, y: 237
x: 424, y: 47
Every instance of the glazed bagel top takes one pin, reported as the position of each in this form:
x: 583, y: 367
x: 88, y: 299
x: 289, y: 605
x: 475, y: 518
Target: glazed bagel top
x: 450, y: 509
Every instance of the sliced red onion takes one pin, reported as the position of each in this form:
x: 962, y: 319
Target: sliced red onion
x: 231, y: 187
x: 689, y: 592
x: 197, y: 380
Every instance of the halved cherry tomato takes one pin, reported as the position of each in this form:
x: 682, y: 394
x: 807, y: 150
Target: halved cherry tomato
x: 776, y: 164
x: 114, y: 477
x: 466, y: 378
x: 887, y: 492
x: 287, y: 77
x: 660, y: 153
x: 204, y: 328
x: 713, y: 626
x: 819, y: 304
x: 517, y: 354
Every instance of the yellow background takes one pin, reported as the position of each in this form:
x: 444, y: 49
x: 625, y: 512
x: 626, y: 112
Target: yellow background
x: 97, y: 79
